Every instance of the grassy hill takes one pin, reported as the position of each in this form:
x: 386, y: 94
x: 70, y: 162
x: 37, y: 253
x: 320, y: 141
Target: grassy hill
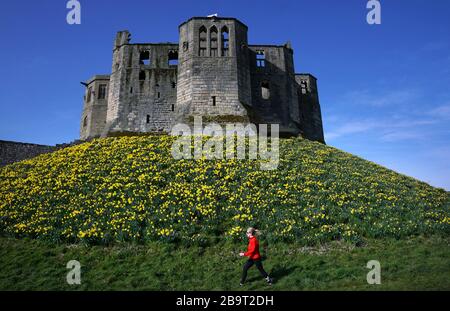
x: 109, y: 192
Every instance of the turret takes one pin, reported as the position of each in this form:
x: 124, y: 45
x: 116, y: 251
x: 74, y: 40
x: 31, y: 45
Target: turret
x: 118, y: 75
x: 213, y: 75
x: 93, y: 118
x: 309, y: 107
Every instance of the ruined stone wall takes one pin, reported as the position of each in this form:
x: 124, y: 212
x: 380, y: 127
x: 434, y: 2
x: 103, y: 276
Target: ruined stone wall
x: 208, y: 82
x: 11, y: 152
x: 93, y: 118
x: 273, y: 86
x: 311, y: 115
x: 116, y: 86
x: 148, y: 88
x: 142, y: 87
x: 243, y: 59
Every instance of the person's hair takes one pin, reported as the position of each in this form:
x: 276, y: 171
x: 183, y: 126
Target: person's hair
x: 253, y: 231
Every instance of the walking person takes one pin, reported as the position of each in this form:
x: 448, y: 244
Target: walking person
x: 254, y: 256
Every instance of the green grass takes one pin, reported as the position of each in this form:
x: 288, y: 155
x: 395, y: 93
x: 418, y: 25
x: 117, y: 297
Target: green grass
x: 419, y: 263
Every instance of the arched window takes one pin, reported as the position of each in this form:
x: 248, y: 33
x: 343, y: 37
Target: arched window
x: 85, y: 122
x: 225, y: 41
x: 102, y: 91
x: 213, y: 44
x: 304, y: 86
x: 265, y: 90
x: 260, y: 58
x: 202, y: 41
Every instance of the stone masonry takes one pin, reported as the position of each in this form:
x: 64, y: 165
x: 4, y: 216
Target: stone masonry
x: 211, y: 72
x: 11, y: 151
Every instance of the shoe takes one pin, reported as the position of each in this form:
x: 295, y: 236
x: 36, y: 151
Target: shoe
x: 241, y: 284
x: 269, y: 280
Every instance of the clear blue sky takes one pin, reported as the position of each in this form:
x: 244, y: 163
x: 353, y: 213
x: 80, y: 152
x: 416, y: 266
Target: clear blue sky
x: 384, y: 90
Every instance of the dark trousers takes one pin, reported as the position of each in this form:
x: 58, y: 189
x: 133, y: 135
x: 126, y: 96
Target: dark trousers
x: 250, y: 263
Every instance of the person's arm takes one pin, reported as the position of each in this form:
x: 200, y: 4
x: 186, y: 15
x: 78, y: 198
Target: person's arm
x: 250, y: 248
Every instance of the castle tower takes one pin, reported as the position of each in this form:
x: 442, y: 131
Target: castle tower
x: 213, y: 73
x: 143, y: 86
x: 95, y: 105
x: 118, y: 74
x: 309, y: 107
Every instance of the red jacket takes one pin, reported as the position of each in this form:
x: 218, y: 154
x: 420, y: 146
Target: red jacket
x: 253, y: 249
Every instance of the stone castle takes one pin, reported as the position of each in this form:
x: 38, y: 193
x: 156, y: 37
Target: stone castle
x: 211, y: 72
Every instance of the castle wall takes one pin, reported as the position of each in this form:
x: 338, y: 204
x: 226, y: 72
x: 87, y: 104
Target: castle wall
x: 208, y: 83
x: 145, y: 91
x: 116, y: 86
x: 11, y: 152
x: 308, y: 101
x: 273, y: 86
x: 93, y: 118
x: 243, y: 58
